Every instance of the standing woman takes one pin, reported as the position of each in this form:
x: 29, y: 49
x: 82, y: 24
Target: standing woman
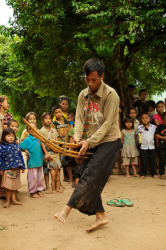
x: 97, y: 130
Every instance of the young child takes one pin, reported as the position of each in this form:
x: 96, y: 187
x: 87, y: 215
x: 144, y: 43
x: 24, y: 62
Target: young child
x: 133, y: 115
x: 64, y: 103
x: 1, y: 129
x: 30, y: 117
x: 133, y: 95
x: 34, y: 163
x: 70, y: 119
x: 146, y: 133
x: 4, y: 106
x: 152, y: 111
x: 14, y: 125
x: 161, y: 136
x: 160, y: 106
x: 142, y: 105
x: 11, y: 161
x: 129, y: 151
x: 55, y: 164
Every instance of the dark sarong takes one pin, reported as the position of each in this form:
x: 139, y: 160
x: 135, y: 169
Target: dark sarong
x: 95, y: 172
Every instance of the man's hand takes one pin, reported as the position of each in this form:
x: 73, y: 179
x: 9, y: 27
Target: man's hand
x: 84, y: 148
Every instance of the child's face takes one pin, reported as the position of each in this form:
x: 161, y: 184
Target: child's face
x: 145, y: 119
x: 143, y: 96
x: 14, y: 126
x: 164, y: 121
x: 58, y: 113
x: 5, y: 104
x: 128, y: 124
x: 10, y: 138
x: 69, y: 118
x: 64, y: 104
x: 30, y: 131
x: 131, y: 90
x: 47, y: 120
x: 160, y: 108
x: 133, y: 114
x: 32, y: 118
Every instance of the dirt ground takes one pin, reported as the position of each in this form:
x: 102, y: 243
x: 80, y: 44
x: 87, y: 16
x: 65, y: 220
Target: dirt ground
x: 32, y: 226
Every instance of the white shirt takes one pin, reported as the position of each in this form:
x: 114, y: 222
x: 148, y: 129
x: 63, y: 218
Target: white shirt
x: 147, y: 136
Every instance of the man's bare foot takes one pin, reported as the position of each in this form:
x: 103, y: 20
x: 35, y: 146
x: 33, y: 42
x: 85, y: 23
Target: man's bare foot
x: 60, y: 190
x: 62, y: 215
x: 34, y: 195
x: 6, y: 205
x: 15, y: 202
x: 98, y: 223
x: 48, y: 191
x: 128, y: 176
x: 54, y: 191
x: 40, y: 194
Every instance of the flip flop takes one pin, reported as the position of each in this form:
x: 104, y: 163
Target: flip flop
x: 127, y: 202
x: 116, y: 203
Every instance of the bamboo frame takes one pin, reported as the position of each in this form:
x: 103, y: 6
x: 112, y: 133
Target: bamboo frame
x: 53, y: 144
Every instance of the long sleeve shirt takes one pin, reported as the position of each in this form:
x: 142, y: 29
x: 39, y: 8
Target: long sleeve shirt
x: 103, y: 120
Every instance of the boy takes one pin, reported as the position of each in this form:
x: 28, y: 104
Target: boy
x: 133, y: 95
x: 152, y: 111
x: 142, y: 105
x: 161, y: 135
x: 147, y: 148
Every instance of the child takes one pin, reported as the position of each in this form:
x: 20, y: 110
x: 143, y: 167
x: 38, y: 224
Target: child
x: 11, y: 161
x: 14, y: 125
x: 133, y: 95
x: 152, y: 111
x: 133, y: 115
x: 1, y: 129
x: 55, y: 164
x: 4, y: 106
x: 160, y: 106
x: 161, y: 135
x: 62, y: 127
x: 34, y: 163
x: 70, y: 119
x: 147, y: 148
x: 30, y: 117
x: 142, y: 105
x: 129, y: 151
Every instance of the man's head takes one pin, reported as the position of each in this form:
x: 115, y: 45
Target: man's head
x: 143, y: 94
x: 94, y: 73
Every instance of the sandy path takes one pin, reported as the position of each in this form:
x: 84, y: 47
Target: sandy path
x: 32, y: 226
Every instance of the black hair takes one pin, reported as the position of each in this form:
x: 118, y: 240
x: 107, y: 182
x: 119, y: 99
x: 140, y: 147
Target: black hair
x: 9, y: 123
x: 45, y: 114
x: 128, y: 119
x: 63, y: 97
x: 163, y: 115
x: 94, y: 64
x: 142, y: 90
x: 134, y: 108
x: 152, y: 104
x: 144, y: 113
x: 6, y: 132
x: 131, y: 86
x: 30, y: 113
x: 159, y: 102
x: 56, y: 107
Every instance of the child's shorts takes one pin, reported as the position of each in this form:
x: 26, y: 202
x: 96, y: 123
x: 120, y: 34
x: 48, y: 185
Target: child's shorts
x: 45, y: 169
x: 132, y: 160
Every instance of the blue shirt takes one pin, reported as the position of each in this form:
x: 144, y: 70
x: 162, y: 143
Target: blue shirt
x: 10, y: 156
x: 33, y: 146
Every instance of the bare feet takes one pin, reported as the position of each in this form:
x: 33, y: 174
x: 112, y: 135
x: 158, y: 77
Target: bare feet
x: 60, y: 190
x: 155, y: 176
x: 35, y: 195
x: 98, y: 223
x: 142, y: 177
x: 136, y: 175
x: 54, y: 192
x: 48, y: 191
x: 15, y: 202
x: 62, y: 215
x: 40, y: 194
x: 6, y: 205
x: 128, y: 176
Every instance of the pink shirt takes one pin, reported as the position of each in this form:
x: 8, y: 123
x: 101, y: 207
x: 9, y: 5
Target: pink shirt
x: 158, y: 117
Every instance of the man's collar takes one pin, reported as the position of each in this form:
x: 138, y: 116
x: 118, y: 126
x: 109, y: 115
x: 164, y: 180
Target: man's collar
x: 98, y: 93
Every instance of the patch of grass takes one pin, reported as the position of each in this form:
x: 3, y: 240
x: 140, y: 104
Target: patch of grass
x: 3, y: 228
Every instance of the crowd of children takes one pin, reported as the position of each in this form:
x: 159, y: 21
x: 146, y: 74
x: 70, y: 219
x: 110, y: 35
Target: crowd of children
x: 143, y: 141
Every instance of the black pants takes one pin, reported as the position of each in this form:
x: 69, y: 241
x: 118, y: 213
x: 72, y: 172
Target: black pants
x: 162, y: 160
x: 94, y: 175
x: 146, y: 156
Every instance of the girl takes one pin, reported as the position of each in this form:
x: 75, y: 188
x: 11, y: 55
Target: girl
x: 64, y: 103
x: 30, y: 117
x: 55, y: 164
x: 4, y: 106
x: 133, y: 115
x: 11, y: 161
x: 129, y: 151
x: 34, y: 163
x: 160, y: 106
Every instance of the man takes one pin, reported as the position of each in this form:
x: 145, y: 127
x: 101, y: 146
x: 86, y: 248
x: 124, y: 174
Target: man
x: 97, y: 118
